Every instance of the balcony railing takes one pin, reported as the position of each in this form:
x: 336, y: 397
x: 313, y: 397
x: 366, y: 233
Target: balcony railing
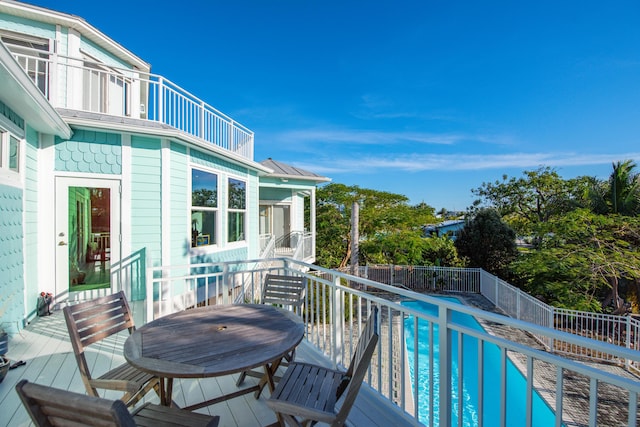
x: 78, y: 84
x: 336, y: 303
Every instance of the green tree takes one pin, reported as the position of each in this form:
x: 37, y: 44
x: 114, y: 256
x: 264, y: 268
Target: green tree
x: 410, y: 248
x: 534, y: 198
x: 380, y: 213
x: 583, y: 260
x: 487, y: 242
x: 620, y: 194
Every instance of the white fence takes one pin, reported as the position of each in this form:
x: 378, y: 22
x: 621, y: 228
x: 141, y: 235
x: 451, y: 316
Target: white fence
x: 620, y: 330
x: 95, y: 87
x: 335, y: 311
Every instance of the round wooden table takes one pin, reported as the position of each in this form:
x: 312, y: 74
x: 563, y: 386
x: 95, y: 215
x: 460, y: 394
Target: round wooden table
x: 213, y: 341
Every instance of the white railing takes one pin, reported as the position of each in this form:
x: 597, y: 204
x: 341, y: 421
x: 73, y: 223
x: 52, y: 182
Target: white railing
x: 77, y: 84
x: 334, y: 314
x: 619, y: 330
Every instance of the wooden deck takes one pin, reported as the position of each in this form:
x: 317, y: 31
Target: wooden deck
x: 45, y: 347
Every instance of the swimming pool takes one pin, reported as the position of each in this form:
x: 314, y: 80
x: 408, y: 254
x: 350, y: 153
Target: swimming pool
x: 543, y: 416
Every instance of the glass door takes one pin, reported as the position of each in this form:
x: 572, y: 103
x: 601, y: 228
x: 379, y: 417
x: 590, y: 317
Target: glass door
x: 87, y: 233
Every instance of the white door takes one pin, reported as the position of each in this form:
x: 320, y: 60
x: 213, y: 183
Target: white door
x: 282, y: 224
x: 87, y: 235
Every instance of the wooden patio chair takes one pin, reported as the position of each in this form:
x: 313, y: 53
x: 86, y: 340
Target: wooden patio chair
x: 308, y: 393
x: 286, y: 292
x: 92, y: 321
x: 48, y: 407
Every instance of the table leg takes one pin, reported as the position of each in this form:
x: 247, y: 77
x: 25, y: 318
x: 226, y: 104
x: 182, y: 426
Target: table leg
x: 166, y: 390
x: 270, y: 370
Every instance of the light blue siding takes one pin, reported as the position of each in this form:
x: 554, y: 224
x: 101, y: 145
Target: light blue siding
x: 180, y: 193
x: 252, y: 217
x: 279, y: 194
x: 32, y: 230
x: 89, y: 152
x: 12, y: 256
x: 27, y: 26
x: 101, y: 55
x: 146, y: 197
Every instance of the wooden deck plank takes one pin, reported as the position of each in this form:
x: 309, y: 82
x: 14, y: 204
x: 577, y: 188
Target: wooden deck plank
x: 46, y: 348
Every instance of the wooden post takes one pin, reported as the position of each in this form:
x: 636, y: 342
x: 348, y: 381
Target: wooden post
x: 355, y: 236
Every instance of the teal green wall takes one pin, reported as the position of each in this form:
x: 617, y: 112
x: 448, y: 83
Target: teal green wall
x: 146, y: 197
x: 100, y: 54
x: 12, y: 256
x: 27, y: 26
x: 280, y: 194
x: 32, y: 229
x: 89, y: 152
x: 180, y: 193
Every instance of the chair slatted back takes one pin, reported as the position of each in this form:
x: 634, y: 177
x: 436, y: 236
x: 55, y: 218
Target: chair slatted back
x: 51, y: 407
x: 91, y: 321
x: 359, y: 363
x: 285, y: 291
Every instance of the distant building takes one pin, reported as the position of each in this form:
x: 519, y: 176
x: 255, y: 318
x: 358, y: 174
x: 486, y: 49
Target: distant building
x: 449, y: 228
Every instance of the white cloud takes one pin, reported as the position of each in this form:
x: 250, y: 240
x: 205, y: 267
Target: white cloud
x: 371, y: 137
x: 459, y: 162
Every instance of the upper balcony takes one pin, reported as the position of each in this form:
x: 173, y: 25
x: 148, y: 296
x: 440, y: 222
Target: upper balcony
x: 79, y: 84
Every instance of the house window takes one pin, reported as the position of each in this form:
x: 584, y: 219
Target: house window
x: 9, y: 152
x: 236, y: 209
x: 204, y: 208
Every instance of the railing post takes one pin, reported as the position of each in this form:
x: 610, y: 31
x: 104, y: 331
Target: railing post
x: 444, y: 341
x: 160, y: 101
x: 149, y: 284
x: 552, y: 316
x: 201, y: 127
x: 336, y: 320
x: 627, y: 342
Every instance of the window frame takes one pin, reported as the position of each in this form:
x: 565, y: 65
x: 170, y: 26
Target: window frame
x: 7, y: 173
x: 211, y: 242
x: 236, y: 212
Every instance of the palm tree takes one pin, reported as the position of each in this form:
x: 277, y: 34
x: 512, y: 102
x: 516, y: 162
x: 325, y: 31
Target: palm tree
x: 620, y: 194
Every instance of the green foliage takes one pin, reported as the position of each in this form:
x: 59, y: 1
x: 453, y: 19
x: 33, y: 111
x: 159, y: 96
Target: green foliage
x: 380, y: 214
x: 487, y: 242
x: 410, y: 248
x: 534, y: 198
x: 620, y: 194
x: 582, y: 261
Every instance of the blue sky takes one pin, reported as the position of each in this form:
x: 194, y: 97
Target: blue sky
x: 428, y: 99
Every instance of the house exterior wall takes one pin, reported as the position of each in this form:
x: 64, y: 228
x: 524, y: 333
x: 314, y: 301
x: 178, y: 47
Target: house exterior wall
x: 146, y: 197
x: 180, y: 200
x: 32, y: 228
x: 89, y: 152
x: 27, y: 26
x: 12, y: 290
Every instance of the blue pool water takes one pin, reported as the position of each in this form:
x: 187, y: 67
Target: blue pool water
x: 543, y: 416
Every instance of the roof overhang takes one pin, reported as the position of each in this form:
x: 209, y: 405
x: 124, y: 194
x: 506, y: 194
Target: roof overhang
x: 316, y: 179
x: 20, y: 94
x: 49, y: 16
x: 175, y: 134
